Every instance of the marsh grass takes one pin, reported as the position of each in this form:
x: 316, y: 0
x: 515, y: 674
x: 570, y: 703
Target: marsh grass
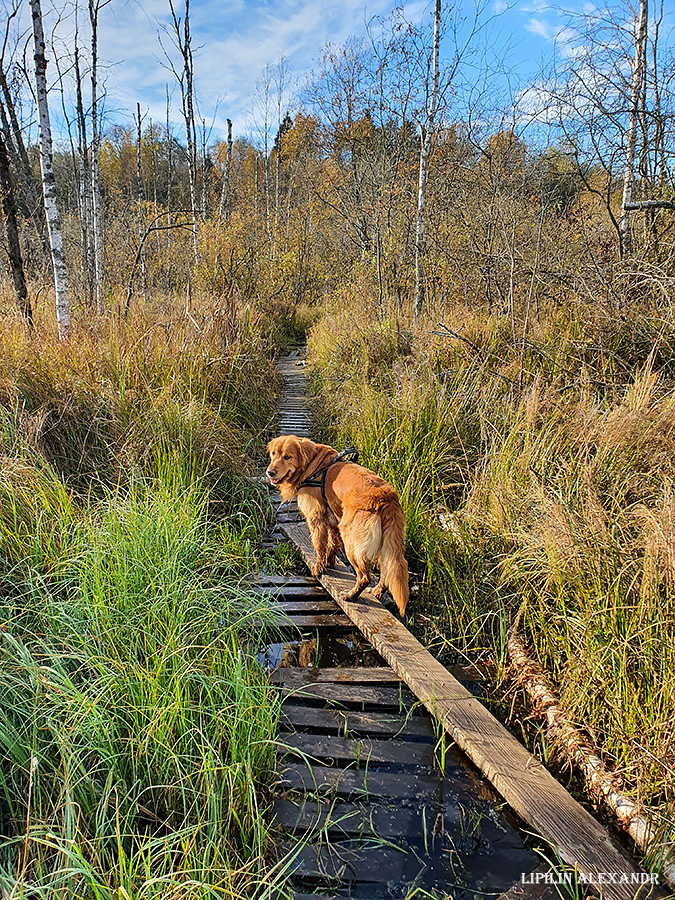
x: 136, y: 732
x: 535, y: 478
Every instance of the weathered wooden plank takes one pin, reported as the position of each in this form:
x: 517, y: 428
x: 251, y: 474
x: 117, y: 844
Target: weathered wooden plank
x: 308, y: 607
x: 317, y: 897
x: 518, y: 776
x: 363, y: 782
x: 321, y: 620
x: 343, y: 721
x: 364, y: 864
x: 359, y: 675
x: 363, y: 675
x: 363, y: 751
x: 283, y: 580
x: 291, y: 591
x: 342, y: 818
x: 388, y: 697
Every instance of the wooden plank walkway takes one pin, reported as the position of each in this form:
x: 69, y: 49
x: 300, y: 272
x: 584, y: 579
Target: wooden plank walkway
x: 368, y: 796
x: 370, y: 799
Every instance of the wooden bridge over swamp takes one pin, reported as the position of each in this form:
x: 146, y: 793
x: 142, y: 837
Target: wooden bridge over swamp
x: 393, y: 780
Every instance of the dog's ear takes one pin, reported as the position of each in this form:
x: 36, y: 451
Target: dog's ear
x: 306, y: 451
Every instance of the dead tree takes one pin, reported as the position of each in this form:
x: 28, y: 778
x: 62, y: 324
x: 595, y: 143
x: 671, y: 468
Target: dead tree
x: 48, y: 180
x: 426, y: 134
x: 185, y: 78
x: 12, y: 233
x: 139, y: 199
x: 225, y: 193
x: 95, y: 7
x: 29, y: 188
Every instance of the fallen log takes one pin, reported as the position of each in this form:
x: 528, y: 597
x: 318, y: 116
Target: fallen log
x: 599, y: 780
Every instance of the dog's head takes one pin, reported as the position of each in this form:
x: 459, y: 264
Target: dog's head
x: 293, y: 458
x: 289, y: 458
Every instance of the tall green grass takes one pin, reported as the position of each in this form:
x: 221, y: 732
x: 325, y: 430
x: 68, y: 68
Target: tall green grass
x: 135, y: 732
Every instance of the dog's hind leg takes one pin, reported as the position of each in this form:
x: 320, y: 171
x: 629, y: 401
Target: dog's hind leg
x: 393, y: 565
x: 361, y: 535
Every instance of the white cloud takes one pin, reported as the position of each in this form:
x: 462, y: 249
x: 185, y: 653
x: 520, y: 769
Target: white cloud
x: 540, y: 27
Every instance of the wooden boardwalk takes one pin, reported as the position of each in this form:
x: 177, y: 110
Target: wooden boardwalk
x: 374, y: 798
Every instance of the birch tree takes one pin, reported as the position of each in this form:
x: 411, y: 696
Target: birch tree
x: 48, y: 180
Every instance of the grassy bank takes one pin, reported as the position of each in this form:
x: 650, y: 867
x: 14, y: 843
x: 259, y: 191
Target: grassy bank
x: 536, y: 476
x: 135, y: 735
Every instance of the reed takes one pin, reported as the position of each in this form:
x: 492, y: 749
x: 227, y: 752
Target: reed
x: 537, y: 479
x: 136, y: 732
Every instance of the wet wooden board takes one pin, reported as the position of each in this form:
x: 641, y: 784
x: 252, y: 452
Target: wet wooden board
x: 363, y: 675
x: 361, y: 695
x: 371, y: 783
x: 518, y: 776
x: 360, y: 675
x: 321, y: 620
x: 341, y: 818
x: 302, y: 606
x: 378, y: 864
x: 315, y: 592
x: 301, y: 896
x: 284, y: 580
x: 352, y: 722
x: 364, y: 750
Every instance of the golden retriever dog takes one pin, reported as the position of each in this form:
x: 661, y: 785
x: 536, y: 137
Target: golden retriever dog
x: 344, y: 505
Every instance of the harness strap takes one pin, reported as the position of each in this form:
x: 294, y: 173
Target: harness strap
x: 350, y: 454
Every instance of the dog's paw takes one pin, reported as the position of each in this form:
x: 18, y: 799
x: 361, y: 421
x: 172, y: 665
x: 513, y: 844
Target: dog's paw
x: 317, y: 569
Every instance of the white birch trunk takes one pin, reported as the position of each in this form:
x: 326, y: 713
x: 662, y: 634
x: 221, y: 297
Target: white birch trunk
x: 48, y: 180
x: 425, y: 147
x: 636, y: 92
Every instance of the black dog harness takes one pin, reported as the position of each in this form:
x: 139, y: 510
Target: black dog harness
x: 318, y: 479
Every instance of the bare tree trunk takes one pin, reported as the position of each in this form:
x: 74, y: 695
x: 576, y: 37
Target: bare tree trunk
x: 48, y: 180
x: 636, y: 91
x: 12, y: 232
x: 139, y: 197
x: 425, y: 146
x: 85, y: 198
x: 94, y: 7
x: 183, y: 41
x: 225, y: 193
x: 169, y: 177
x: 204, y: 184
x: 17, y: 151
x: 659, y: 139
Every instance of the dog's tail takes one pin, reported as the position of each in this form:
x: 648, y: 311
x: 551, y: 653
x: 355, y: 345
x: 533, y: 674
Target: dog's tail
x: 393, y: 565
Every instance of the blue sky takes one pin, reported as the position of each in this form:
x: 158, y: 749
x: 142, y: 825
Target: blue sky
x: 233, y: 41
